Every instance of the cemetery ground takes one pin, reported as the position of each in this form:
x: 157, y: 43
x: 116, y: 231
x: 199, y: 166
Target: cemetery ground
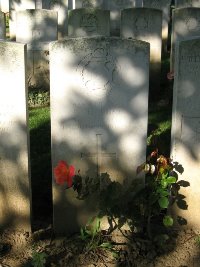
x: 42, y: 248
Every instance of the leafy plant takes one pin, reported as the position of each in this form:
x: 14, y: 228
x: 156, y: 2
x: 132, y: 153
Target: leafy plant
x: 38, y: 97
x: 160, y: 192
x: 130, y: 203
x: 94, y: 238
x: 38, y: 258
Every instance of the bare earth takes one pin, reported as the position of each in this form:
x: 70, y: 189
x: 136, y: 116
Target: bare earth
x: 17, y: 248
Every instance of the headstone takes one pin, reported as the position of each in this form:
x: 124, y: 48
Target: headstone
x: 186, y: 125
x: 89, y: 4
x: 15, y: 191
x: 88, y: 22
x: 187, y: 3
x: 115, y: 7
x: 2, y: 26
x: 4, y: 6
x: 185, y: 24
x: 37, y: 28
x: 70, y: 4
x: 164, y: 6
x: 61, y: 7
x: 99, y: 106
x: 14, y: 6
x: 146, y: 24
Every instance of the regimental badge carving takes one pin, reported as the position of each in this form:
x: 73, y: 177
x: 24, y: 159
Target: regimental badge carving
x: 98, y: 71
x: 193, y: 23
x: 89, y: 22
x: 141, y: 24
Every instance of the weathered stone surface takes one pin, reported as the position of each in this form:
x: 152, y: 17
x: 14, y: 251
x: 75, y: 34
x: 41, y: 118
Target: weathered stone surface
x: 186, y: 125
x: 14, y: 6
x: 99, y: 104
x: 61, y: 7
x: 15, y: 192
x: 164, y: 6
x: 37, y: 28
x: 2, y: 26
x: 4, y: 6
x: 146, y: 24
x: 187, y: 3
x: 88, y: 22
x: 185, y: 24
x: 115, y: 7
x: 89, y: 4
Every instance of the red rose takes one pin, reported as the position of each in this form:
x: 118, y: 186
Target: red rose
x: 64, y: 173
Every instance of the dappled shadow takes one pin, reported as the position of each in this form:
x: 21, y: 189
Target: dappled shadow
x: 146, y: 24
x: 88, y: 22
x: 100, y: 112
x: 185, y: 25
x: 15, y: 176
x: 14, y: 140
x: 58, y: 6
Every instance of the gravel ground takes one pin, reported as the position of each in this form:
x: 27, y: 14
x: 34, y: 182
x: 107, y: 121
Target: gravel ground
x: 16, y: 250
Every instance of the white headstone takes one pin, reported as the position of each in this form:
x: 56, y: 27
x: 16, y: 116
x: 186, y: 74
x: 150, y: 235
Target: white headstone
x: 186, y: 125
x: 164, y: 6
x: 89, y: 3
x: 185, y: 24
x: 88, y: 22
x: 37, y: 28
x: 61, y: 7
x: 15, y: 192
x: 187, y: 3
x: 4, y: 6
x: 115, y: 7
x: 2, y: 26
x: 70, y: 4
x: 14, y: 6
x: 146, y: 24
x: 99, y: 106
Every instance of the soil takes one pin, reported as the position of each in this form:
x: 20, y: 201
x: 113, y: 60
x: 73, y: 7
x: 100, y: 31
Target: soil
x: 16, y: 250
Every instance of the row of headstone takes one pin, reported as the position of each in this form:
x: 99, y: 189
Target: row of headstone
x: 99, y: 92
x: 38, y: 27
x: 92, y: 96
x: 61, y: 7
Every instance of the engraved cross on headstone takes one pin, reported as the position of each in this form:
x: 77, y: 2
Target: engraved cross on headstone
x: 98, y: 155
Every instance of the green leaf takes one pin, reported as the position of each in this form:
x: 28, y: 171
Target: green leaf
x: 171, y: 180
x: 163, y: 202
x: 106, y: 245
x: 162, y: 192
x: 164, y: 183
x: 83, y: 235
x: 168, y: 221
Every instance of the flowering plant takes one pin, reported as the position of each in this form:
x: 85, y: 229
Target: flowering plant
x: 131, y: 203
x: 64, y: 173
